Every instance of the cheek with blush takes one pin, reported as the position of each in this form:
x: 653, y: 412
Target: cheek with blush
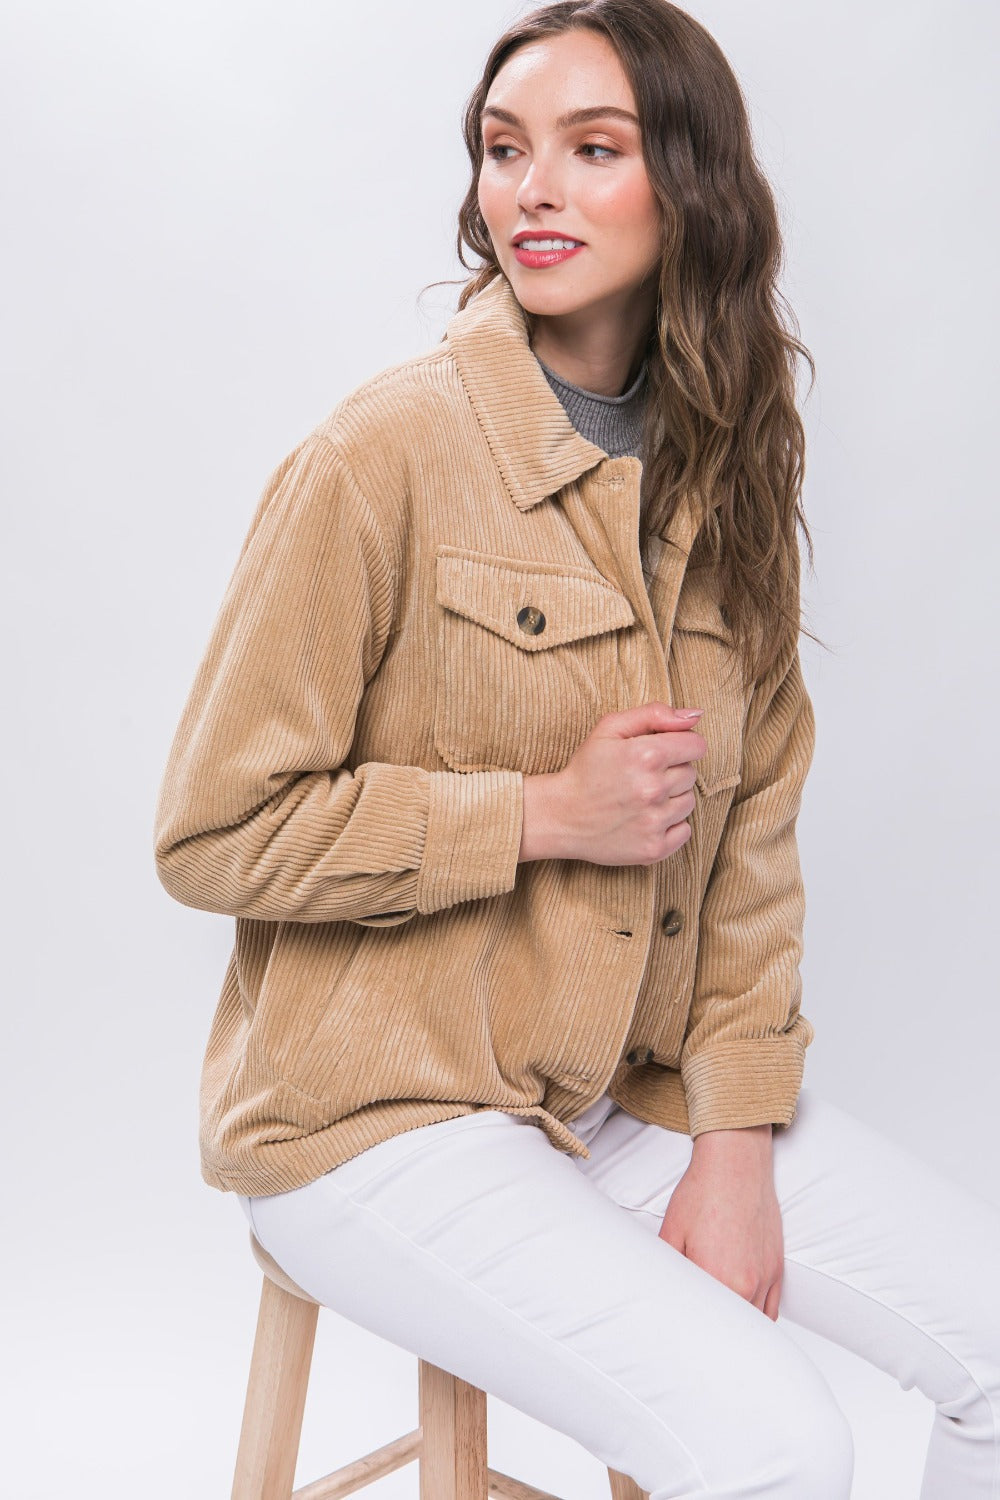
x: 632, y: 213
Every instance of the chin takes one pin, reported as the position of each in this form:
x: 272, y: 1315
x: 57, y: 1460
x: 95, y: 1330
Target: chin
x: 551, y: 300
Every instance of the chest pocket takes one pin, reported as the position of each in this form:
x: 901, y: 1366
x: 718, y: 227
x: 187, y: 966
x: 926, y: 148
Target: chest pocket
x: 705, y: 672
x: 528, y: 659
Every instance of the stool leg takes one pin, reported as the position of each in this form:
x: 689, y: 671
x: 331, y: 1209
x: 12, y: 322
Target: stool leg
x: 276, y: 1395
x: 624, y: 1488
x: 453, y: 1447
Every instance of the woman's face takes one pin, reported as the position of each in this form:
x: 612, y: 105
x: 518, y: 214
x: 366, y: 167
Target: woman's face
x: 547, y: 171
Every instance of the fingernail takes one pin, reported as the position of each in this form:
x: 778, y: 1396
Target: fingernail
x: 689, y: 713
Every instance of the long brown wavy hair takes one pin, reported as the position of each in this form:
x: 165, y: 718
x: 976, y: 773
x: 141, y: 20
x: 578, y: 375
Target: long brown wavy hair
x: 721, y: 420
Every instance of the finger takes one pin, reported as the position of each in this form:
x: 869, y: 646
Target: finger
x: 650, y: 718
x: 673, y: 1236
x: 677, y: 748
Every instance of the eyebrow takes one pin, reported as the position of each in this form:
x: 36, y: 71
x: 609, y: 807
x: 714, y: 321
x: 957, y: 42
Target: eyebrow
x: 574, y: 117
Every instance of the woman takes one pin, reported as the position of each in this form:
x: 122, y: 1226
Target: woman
x: 507, y: 1062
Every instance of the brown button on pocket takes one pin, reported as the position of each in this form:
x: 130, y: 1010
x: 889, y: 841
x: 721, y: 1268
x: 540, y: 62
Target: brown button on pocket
x: 639, y: 1055
x: 531, y: 620
x: 672, y: 921
x: 528, y: 659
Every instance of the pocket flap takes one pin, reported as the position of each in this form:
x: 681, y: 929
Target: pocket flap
x: 556, y: 602
x: 698, y: 608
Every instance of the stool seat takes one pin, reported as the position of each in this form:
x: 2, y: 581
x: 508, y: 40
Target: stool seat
x: 449, y: 1446
x: 271, y: 1269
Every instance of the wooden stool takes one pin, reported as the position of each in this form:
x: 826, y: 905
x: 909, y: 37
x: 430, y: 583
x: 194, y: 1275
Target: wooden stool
x: 449, y: 1445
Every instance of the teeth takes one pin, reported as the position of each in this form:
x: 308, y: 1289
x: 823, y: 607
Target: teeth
x: 548, y: 244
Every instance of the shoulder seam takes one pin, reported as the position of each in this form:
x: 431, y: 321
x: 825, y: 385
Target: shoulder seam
x: 374, y: 519
x: 340, y: 459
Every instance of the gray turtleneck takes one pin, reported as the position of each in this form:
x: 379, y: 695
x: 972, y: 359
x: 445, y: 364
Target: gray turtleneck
x: 614, y: 423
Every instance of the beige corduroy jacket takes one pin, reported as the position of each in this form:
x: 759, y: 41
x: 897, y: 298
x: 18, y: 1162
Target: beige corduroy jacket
x: 441, y: 591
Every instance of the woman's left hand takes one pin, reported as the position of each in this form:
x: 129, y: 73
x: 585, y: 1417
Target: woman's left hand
x: 724, y: 1214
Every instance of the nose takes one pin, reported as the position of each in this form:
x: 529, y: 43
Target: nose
x: 539, y: 188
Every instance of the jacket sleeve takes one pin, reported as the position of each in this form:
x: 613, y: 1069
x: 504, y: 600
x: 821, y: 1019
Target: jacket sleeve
x: 257, y: 814
x: 744, y: 1049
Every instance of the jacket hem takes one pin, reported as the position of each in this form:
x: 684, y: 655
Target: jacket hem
x: 259, y: 1168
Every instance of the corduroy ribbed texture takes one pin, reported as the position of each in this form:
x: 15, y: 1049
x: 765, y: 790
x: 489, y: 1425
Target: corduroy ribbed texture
x: 441, y: 592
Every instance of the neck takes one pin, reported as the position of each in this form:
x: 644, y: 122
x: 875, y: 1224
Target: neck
x: 599, y: 348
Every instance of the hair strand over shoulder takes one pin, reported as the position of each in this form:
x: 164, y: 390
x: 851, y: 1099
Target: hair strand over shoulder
x: 722, y: 424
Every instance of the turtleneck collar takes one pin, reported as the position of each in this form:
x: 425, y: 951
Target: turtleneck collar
x: 614, y: 423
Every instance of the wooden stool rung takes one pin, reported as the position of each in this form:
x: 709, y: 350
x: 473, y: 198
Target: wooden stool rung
x: 363, y: 1471
x: 503, y: 1487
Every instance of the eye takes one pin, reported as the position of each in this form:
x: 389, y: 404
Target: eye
x: 494, y: 152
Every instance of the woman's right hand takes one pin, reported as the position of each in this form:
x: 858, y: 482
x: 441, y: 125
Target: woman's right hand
x: 624, y: 795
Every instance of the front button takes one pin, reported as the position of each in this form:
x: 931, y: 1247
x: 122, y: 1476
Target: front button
x: 672, y: 921
x: 531, y: 620
x: 639, y: 1055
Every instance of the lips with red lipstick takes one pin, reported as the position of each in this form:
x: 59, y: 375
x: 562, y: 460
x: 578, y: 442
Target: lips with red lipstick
x: 538, y: 248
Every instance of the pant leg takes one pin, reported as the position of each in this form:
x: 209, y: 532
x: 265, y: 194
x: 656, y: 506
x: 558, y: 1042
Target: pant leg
x: 476, y: 1244
x: 883, y: 1255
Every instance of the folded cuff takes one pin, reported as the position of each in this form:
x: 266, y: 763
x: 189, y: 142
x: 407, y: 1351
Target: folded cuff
x: 473, y: 837
x: 740, y: 1083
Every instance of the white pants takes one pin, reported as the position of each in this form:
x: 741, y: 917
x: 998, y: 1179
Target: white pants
x: 541, y: 1278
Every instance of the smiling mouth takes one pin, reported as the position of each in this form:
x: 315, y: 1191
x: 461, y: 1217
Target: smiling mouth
x: 546, y: 252
x: 542, y: 243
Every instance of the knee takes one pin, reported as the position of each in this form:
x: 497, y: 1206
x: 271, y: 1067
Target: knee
x: 812, y: 1449
x: 805, y: 1446
x: 786, y: 1439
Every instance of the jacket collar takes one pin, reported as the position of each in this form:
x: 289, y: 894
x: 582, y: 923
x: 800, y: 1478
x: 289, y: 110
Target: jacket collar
x: 535, y: 445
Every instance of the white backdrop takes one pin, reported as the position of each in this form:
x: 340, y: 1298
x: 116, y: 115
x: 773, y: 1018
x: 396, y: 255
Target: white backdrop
x: 222, y: 217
